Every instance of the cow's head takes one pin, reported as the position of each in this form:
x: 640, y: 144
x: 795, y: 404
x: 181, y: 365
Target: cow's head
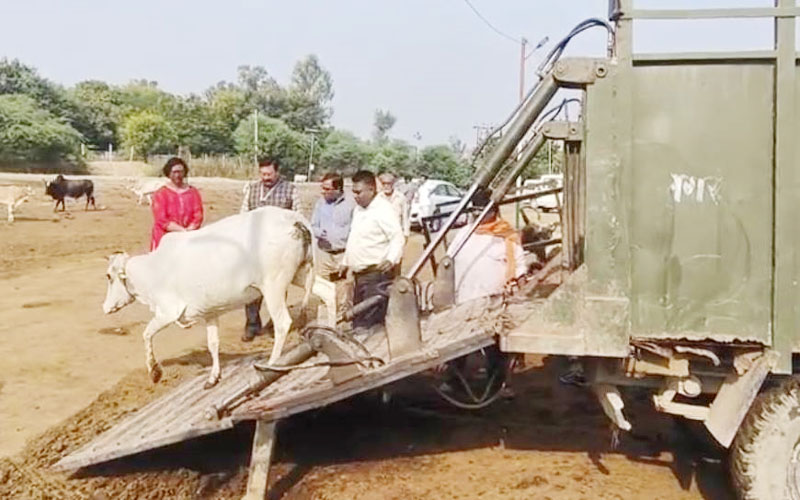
x: 51, y: 188
x: 117, y: 294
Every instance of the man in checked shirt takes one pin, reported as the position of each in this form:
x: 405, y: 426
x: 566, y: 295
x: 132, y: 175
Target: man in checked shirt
x: 270, y: 189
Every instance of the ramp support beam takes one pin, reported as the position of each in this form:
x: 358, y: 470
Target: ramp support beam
x: 402, y: 320
x: 260, y: 458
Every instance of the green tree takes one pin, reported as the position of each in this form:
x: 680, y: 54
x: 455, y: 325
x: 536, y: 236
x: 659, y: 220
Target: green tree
x: 30, y: 133
x: 544, y: 160
x: 228, y: 104
x: 148, y: 132
x: 18, y: 78
x: 198, y: 128
x: 394, y: 156
x: 342, y: 152
x: 275, y: 138
x: 383, y: 122
x: 309, y: 95
x: 441, y: 162
x: 100, y: 109
x: 144, y: 95
x: 262, y: 92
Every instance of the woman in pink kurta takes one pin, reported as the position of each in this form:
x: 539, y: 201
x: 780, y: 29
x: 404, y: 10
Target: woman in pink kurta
x: 176, y: 206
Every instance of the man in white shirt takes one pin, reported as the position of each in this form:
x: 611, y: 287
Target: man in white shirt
x: 491, y: 258
x: 374, y: 248
x: 397, y: 199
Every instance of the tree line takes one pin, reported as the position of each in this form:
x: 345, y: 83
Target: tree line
x: 41, y: 121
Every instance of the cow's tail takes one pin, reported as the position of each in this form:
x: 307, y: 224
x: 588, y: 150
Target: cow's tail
x: 302, y: 233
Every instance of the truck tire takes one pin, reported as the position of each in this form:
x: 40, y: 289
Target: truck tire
x: 765, y: 457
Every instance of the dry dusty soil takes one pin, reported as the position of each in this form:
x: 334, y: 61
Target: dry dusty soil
x: 69, y: 372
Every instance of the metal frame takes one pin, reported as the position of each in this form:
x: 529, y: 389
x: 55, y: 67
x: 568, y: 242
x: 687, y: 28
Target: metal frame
x: 784, y: 13
x: 786, y: 182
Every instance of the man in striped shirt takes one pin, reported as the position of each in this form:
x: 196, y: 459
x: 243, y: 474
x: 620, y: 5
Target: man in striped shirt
x: 270, y: 189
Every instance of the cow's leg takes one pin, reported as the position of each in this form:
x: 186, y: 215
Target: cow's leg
x: 326, y: 291
x: 281, y: 320
x: 10, y: 207
x: 212, y: 338
x: 154, y: 326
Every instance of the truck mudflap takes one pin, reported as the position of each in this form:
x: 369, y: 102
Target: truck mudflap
x: 735, y: 397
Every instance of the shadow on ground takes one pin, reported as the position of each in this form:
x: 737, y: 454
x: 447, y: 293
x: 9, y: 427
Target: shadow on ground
x: 544, y: 415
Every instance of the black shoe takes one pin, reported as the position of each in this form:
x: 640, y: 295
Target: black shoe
x: 574, y: 377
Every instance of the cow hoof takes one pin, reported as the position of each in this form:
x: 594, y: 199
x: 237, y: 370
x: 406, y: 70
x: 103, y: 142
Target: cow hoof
x: 209, y: 384
x: 155, y: 374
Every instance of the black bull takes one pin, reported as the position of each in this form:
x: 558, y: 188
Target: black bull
x: 60, y: 188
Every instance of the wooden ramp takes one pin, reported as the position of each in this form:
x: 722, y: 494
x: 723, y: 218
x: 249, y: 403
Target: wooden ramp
x: 186, y: 412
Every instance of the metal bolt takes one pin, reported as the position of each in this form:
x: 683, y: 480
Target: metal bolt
x: 402, y: 286
x: 600, y: 71
x: 690, y: 386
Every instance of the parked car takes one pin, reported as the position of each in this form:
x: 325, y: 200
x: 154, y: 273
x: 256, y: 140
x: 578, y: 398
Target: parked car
x: 433, y: 198
x: 549, y: 202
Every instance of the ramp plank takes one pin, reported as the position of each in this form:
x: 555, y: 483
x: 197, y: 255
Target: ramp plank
x: 181, y: 414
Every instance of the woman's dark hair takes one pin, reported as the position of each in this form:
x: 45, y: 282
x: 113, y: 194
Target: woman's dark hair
x: 171, y: 163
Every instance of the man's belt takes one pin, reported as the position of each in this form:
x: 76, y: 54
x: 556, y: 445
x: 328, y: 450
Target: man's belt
x: 335, y: 252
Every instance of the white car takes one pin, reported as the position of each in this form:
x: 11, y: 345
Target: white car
x: 548, y: 202
x: 433, y: 198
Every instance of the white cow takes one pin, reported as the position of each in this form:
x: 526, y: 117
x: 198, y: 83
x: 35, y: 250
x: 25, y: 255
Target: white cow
x: 13, y: 196
x: 225, y: 265
x: 145, y: 188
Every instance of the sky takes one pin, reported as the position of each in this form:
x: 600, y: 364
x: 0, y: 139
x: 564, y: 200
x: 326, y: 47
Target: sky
x: 434, y: 64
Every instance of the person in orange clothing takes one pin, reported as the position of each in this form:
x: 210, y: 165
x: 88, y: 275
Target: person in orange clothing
x: 176, y: 206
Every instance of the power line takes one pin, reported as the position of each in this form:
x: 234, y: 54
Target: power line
x: 490, y: 25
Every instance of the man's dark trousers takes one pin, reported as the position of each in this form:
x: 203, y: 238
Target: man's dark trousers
x: 369, y: 283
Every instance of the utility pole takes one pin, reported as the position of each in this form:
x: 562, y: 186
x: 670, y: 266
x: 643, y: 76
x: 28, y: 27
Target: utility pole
x: 523, y: 42
x: 481, y: 132
x: 524, y: 57
x: 313, y: 132
x: 255, y: 133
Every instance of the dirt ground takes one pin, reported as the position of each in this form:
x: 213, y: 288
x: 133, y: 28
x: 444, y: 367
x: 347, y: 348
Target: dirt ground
x: 69, y: 372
